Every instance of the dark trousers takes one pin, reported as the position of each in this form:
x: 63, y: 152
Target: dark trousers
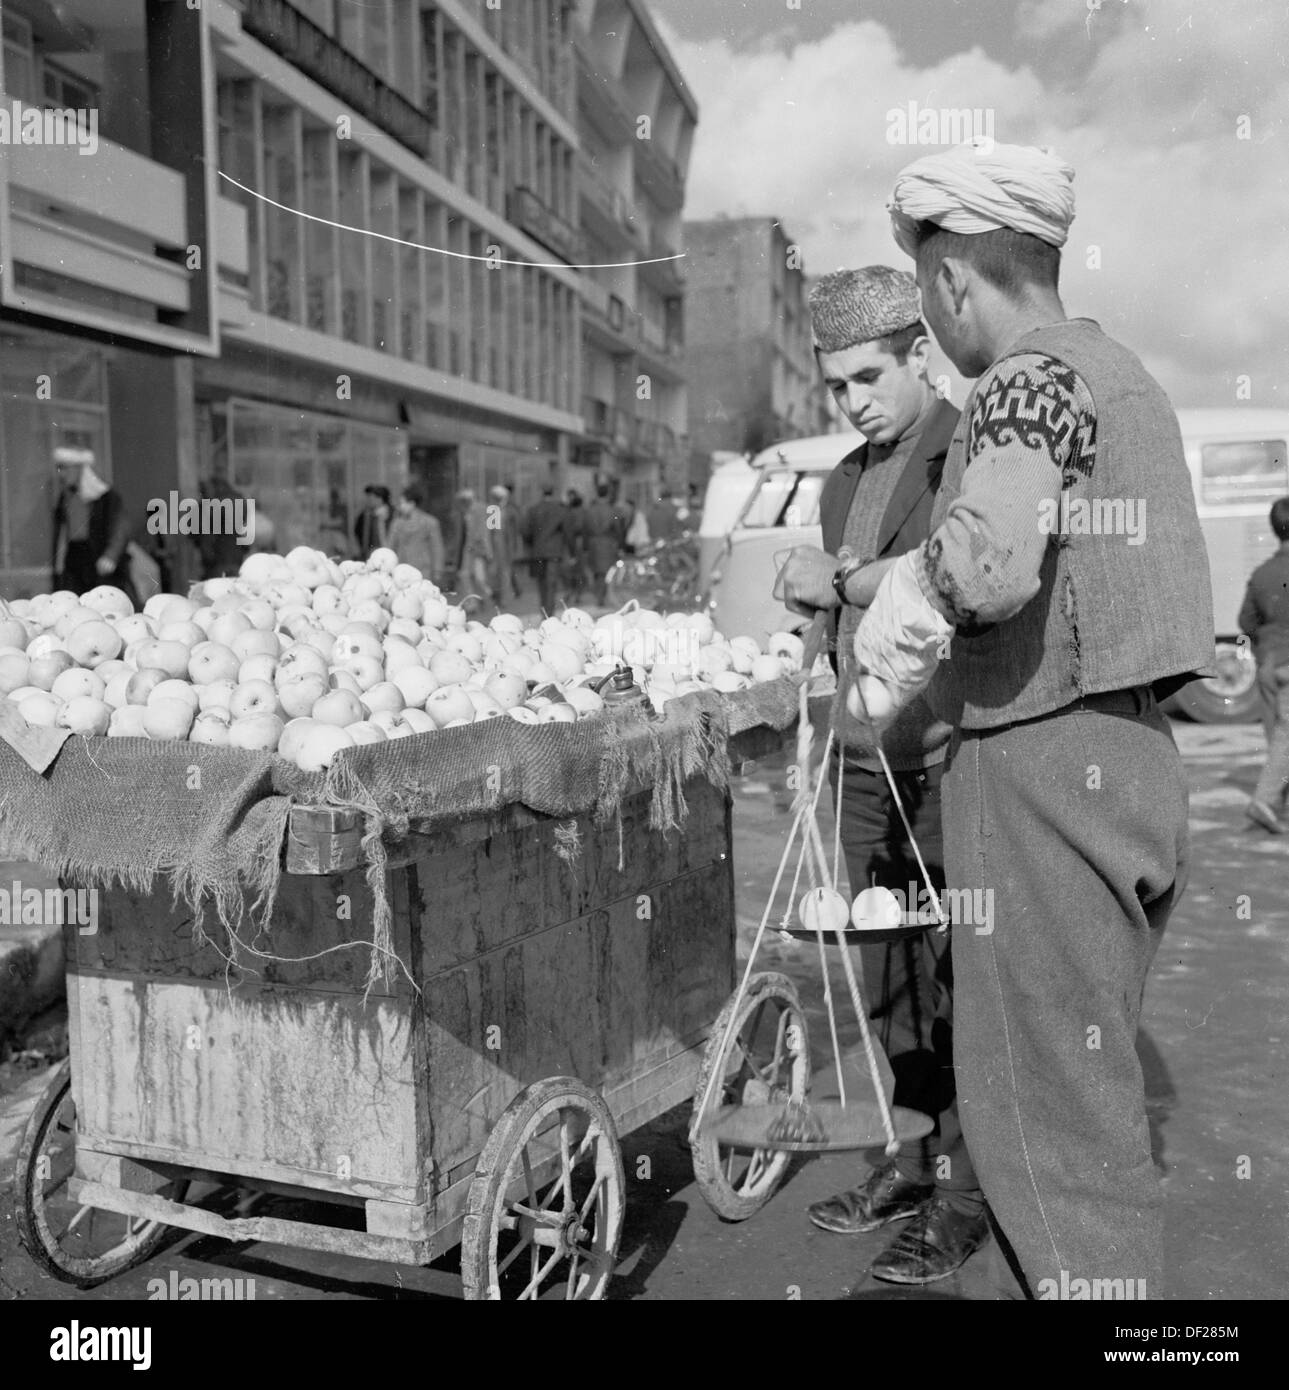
x: 1273, y: 685
x: 909, y: 984
x: 547, y: 572
x: 1076, y: 823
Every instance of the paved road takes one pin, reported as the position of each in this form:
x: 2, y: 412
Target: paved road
x: 1215, y: 1045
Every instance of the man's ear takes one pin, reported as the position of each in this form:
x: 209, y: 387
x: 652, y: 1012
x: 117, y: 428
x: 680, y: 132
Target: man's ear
x: 956, y: 274
x: 920, y: 353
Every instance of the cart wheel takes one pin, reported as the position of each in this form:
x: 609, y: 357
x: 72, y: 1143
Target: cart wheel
x: 767, y: 1061
x: 78, y: 1245
x: 570, y: 1228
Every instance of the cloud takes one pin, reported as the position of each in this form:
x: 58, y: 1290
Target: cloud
x: 1178, y: 247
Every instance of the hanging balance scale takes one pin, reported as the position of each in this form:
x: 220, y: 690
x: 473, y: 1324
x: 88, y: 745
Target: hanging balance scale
x: 824, y: 915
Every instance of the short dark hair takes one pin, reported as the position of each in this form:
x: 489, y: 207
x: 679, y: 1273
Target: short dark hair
x: 1011, y: 261
x: 412, y: 492
x: 1280, y: 518
x: 900, y: 343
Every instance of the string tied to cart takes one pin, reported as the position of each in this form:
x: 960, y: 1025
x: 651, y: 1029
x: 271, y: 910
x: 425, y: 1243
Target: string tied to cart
x: 822, y: 913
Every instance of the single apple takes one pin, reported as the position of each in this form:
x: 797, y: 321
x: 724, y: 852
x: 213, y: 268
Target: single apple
x: 450, y: 668
x: 434, y: 613
x: 507, y: 689
x: 109, y: 601
x: 319, y: 746
x: 256, y: 642
x: 136, y: 628
x: 227, y: 627
x: 292, y: 731
x: 301, y: 660
x: 45, y: 670
x: 212, y: 727
x: 338, y: 707
x: 85, y: 715
x: 298, y: 696
x: 127, y: 722
x: 399, y: 655
x: 41, y: 710
x: 212, y: 661
x: 384, y: 695
x: 561, y: 713
x: 328, y: 599
x: 366, y: 670
x: 341, y: 680
x: 76, y: 683
x: 168, y: 719
x: 521, y: 714
x: 449, y: 703
x: 406, y: 606
x: 114, y: 691
x: 13, y: 633
x: 170, y: 657
x: 143, y: 683
x: 13, y: 672
x: 257, y: 668
x: 418, y: 721
x: 366, y: 732
x: 253, y: 697
x: 417, y: 685
x: 176, y: 690
x: 187, y: 632
x: 585, y: 702
x: 260, y: 730
x: 215, y: 696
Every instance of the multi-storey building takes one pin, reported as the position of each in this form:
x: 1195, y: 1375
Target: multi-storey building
x: 752, y: 377
x: 319, y: 244
x: 636, y: 120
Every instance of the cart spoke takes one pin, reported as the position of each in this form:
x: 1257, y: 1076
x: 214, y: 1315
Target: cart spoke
x: 530, y: 1291
x: 596, y: 1188
x: 528, y: 1176
x: 538, y: 1214
x: 525, y: 1243
x: 79, y: 1217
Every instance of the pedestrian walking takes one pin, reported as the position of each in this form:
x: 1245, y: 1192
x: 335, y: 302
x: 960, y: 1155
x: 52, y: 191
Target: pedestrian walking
x: 373, y: 521
x: 1065, y: 800
x: 575, y: 564
x: 546, y: 534
x: 603, y: 533
x: 91, y: 527
x: 476, y: 547
x: 637, y: 536
x: 415, y: 536
x: 506, y: 543
x: 1264, y: 617
x: 872, y: 349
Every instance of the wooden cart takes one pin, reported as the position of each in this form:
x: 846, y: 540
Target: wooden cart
x: 551, y: 1007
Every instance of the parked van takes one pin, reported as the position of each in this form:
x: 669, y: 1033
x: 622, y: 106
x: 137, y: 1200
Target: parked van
x: 755, y: 512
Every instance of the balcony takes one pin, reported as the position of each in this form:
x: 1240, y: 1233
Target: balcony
x: 612, y: 213
x: 104, y: 221
x: 668, y: 276
x: 597, y: 417
x: 615, y: 327
x: 234, y: 263
x: 660, y: 175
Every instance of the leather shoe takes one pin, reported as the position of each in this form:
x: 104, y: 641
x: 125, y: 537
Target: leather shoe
x: 939, y: 1242
x: 885, y: 1197
x: 1262, y: 814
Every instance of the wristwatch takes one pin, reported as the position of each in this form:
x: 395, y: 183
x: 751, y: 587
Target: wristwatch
x: 842, y: 578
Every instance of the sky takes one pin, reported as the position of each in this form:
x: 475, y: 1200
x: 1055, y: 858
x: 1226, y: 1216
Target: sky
x: 1174, y: 114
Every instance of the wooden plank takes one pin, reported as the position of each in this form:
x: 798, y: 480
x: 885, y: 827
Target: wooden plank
x: 116, y: 1171
x: 271, y: 1230
x: 316, y: 1089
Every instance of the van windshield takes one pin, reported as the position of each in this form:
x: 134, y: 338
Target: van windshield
x: 787, y: 498
x: 1247, y: 470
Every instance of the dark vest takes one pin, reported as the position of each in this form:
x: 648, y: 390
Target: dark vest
x: 1112, y: 610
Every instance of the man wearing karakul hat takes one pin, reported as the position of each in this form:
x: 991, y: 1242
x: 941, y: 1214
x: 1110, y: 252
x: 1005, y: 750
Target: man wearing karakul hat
x: 872, y: 349
x: 1064, y: 794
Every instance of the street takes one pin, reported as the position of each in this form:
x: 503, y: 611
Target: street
x: 1213, y: 1047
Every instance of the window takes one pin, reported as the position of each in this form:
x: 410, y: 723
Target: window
x: 1244, y: 471
x: 64, y: 89
x: 787, y: 499
x: 19, y: 60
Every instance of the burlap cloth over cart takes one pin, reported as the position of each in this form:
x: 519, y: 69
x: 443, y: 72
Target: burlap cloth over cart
x: 213, y: 821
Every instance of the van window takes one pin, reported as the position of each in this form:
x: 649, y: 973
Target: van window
x: 787, y: 498
x: 1246, y: 470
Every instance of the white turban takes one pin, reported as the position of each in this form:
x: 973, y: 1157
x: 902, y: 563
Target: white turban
x: 980, y: 187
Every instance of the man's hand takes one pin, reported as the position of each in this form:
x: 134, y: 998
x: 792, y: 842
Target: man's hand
x: 104, y: 566
x: 804, y: 584
x: 861, y: 587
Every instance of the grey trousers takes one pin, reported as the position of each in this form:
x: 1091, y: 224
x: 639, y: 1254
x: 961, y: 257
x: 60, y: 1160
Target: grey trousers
x: 1076, y: 824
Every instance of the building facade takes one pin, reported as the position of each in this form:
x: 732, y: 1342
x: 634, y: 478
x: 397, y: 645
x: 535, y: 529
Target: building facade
x: 636, y: 120
x: 753, y: 378
x: 319, y: 245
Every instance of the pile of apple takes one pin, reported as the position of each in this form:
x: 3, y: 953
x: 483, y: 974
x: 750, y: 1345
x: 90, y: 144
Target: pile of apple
x: 305, y: 656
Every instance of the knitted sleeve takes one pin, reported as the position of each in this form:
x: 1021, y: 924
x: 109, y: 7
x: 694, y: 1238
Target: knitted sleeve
x: 1031, y: 430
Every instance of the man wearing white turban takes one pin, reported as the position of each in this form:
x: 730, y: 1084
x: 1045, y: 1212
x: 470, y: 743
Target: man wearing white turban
x: 1064, y: 795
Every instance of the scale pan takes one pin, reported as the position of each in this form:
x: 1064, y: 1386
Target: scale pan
x: 817, y: 1127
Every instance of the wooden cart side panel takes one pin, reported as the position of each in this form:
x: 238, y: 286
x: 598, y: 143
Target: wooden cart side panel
x: 321, y: 1085
x: 604, y: 998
